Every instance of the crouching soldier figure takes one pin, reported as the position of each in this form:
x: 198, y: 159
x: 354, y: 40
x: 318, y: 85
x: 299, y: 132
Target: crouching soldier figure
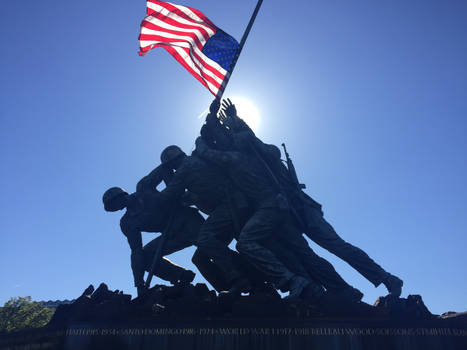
x: 146, y: 211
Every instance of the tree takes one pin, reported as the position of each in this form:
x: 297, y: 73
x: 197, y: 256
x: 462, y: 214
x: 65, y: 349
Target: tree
x: 21, y: 313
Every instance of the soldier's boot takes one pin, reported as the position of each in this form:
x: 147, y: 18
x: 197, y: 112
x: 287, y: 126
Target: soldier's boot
x: 298, y: 284
x: 393, y: 285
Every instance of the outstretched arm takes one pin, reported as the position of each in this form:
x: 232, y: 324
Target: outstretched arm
x: 154, y: 178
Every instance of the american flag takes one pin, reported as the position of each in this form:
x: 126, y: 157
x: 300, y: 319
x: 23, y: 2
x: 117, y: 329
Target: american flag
x: 192, y: 39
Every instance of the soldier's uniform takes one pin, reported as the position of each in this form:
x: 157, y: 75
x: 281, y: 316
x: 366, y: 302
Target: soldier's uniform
x: 316, y: 227
x: 207, y: 186
x: 265, y: 203
x: 147, y: 212
x: 322, y: 233
x: 296, y: 254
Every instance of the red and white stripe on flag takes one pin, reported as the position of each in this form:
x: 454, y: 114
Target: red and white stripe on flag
x: 183, y: 32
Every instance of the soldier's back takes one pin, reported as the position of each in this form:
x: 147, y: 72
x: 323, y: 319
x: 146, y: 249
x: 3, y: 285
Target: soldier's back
x: 206, y: 180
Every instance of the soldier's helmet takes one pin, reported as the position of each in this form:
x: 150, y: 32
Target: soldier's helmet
x: 110, y: 196
x: 170, y: 153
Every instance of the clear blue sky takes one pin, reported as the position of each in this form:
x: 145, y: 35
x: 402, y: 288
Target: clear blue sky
x: 370, y: 97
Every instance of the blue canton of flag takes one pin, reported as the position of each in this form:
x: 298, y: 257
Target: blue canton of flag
x: 222, y: 48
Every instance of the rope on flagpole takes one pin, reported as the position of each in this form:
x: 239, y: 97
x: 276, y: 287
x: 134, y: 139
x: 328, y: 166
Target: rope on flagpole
x: 239, y: 50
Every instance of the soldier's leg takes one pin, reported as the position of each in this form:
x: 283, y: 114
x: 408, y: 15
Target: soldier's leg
x: 189, y: 222
x: 165, y: 269
x: 286, y: 256
x: 214, y: 237
x: 207, y: 267
x: 210, y: 271
x: 324, y: 234
x: 318, y: 268
x: 258, y: 229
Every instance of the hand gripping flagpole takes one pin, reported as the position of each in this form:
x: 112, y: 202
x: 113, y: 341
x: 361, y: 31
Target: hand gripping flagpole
x: 239, y: 50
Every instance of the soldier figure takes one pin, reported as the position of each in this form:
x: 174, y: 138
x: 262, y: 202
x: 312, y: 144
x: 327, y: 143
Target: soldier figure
x: 213, y: 193
x: 269, y: 209
x: 315, y: 226
x: 147, y: 211
x: 206, y: 187
x: 322, y: 233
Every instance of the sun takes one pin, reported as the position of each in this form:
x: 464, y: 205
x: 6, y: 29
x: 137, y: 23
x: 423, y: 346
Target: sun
x: 247, y: 110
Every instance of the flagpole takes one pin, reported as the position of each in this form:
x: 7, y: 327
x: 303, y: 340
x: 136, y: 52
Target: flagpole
x: 239, y: 50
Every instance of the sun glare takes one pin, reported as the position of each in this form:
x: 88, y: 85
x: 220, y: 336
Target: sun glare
x: 247, y: 110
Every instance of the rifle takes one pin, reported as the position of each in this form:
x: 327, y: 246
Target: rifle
x: 276, y: 183
x: 297, y: 184
x: 292, y: 172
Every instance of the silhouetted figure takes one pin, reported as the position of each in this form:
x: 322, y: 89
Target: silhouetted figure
x: 291, y: 264
x: 146, y: 211
x: 207, y: 188
x: 314, y: 224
